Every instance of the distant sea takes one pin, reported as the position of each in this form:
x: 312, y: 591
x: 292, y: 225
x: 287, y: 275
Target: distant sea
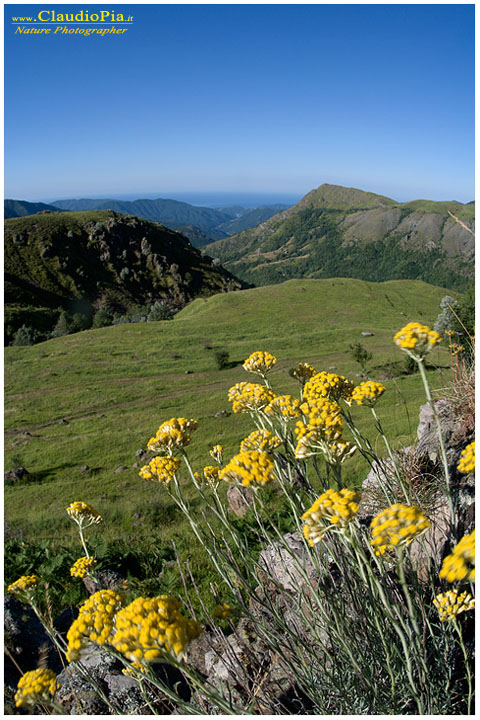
x: 208, y: 199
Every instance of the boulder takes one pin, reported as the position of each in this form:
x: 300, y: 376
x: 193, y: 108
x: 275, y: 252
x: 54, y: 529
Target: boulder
x: 239, y: 499
x: 25, y: 641
x: 12, y: 477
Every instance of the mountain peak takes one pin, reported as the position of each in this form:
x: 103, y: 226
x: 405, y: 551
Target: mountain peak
x: 343, y: 198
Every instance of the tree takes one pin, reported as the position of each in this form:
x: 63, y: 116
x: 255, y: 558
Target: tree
x: 61, y: 328
x: 361, y: 355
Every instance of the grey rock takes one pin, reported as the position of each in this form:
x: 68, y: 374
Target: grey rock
x: 120, y: 468
x: 239, y: 499
x: 287, y: 563
x: 141, y: 453
x: 84, y: 468
x: 221, y: 413
x: 25, y: 639
x: 106, y: 580
x: 62, y: 421
x: 208, y: 644
x: 13, y: 476
x: 368, y: 334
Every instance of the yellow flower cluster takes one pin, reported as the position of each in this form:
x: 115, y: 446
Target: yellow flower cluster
x: 467, y: 459
x: 222, y: 611
x: 283, y: 407
x: 367, y: 393
x: 83, y: 514
x: 150, y: 628
x: 24, y: 585
x: 172, y: 434
x: 217, y: 453
x: 455, y: 348
x: 460, y: 565
x: 416, y: 339
x: 450, y: 604
x: 397, y: 525
x: 262, y: 440
x: 323, y: 428
x: 248, y: 397
x: 249, y: 468
x: 259, y: 362
x: 210, y: 475
x: 82, y: 567
x: 302, y: 372
x: 94, y: 622
x: 327, y: 385
x: 160, y: 468
x: 36, y: 686
x: 332, y: 509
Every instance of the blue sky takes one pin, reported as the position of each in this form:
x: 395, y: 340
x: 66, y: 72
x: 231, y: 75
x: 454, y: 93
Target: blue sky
x: 247, y: 98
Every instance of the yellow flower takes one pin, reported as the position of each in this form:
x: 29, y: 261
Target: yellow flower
x: 162, y: 469
x: 249, y: 468
x: 222, y: 611
x: 367, y: 393
x: 302, y: 372
x: 83, y: 566
x: 217, y: 453
x: 171, y: 435
x: 260, y: 363
x: 467, y: 459
x: 24, y: 588
x: 460, y: 565
x: 83, y: 514
x: 262, y: 440
x: 94, y: 623
x: 283, y: 407
x: 210, y: 475
x: 327, y: 385
x: 455, y: 348
x: 397, y: 525
x: 36, y: 686
x: 248, y: 397
x: 417, y: 340
x: 450, y: 604
x: 331, y: 510
x: 149, y: 629
x: 323, y: 429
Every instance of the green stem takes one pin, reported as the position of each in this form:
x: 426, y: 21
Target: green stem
x: 467, y: 664
x: 390, y: 455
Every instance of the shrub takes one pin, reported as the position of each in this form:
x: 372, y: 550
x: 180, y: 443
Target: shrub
x: 25, y: 336
x: 446, y: 319
x: 159, y: 311
x: 221, y: 358
x: 102, y: 318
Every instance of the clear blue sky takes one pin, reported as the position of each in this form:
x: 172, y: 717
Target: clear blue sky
x: 250, y: 98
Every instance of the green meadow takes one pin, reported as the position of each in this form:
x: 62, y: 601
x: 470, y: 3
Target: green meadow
x: 95, y: 397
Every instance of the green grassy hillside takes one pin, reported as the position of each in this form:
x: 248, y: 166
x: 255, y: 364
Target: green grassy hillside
x: 95, y: 397
x: 82, y: 261
x: 336, y: 232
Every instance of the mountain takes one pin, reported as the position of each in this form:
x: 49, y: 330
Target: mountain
x: 19, y: 208
x: 81, y: 261
x: 172, y: 213
x: 336, y: 231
